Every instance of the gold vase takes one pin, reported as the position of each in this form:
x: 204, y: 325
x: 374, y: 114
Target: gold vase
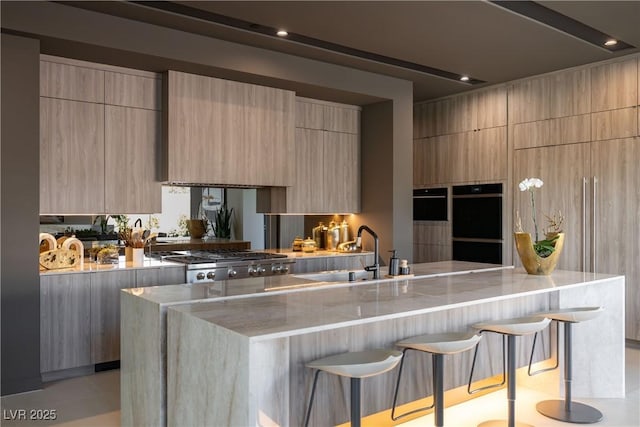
x: 533, y: 263
x: 196, y: 228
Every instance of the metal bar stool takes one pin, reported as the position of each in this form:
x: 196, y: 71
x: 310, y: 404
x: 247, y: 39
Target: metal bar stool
x: 354, y: 365
x: 511, y: 328
x: 437, y: 345
x: 566, y: 410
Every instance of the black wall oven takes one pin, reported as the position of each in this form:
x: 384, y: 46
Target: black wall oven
x: 477, y: 223
x: 430, y: 204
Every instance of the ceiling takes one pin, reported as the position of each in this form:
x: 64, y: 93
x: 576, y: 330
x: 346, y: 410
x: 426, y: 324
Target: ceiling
x: 475, y: 38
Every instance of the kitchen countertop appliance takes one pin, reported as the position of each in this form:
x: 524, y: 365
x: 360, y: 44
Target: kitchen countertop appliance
x: 216, y: 265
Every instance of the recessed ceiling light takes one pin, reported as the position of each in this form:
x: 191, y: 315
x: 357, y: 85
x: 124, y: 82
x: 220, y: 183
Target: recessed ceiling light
x: 464, y: 78
x: 282, y: 33
x: 611, y: 42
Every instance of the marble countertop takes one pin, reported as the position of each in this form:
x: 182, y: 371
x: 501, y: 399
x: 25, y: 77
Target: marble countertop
x: 322, y: 308
x: 88, y: 267
x: 274, y: 285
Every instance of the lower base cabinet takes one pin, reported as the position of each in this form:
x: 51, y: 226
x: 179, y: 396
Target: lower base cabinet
x: 80, y: 314
x: 65, y: 321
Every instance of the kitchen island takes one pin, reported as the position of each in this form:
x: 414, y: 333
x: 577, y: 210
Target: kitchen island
x: 249, y: 350
x: 241, y: 362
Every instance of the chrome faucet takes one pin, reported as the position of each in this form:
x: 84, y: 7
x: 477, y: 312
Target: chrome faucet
x: 375, y: 267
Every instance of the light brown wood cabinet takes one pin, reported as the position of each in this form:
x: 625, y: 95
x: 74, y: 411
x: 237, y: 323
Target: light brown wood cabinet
x: 461, y: 113
x: 477, y: 156
x: 563, y: 130
x: 146, y: 277
x: 613, y: 124
x: 614, y: 85
x: 225, y: 132
x: 616, y: 210
x: 131, y: 160
x: 71, y: 157
x: 96, y: 155
x: 128, y: 90
x: 551, y: 96
x: 71, y: 82
x: 65, y: 321
x: 325, y: 263
x: 314, y: 114
x: 105, y: 313
x: 432, y: 241
x: 326, y: 163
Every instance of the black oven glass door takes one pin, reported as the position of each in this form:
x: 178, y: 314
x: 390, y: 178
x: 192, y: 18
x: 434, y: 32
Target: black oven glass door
x: 430, y: 204
x: 477, y: 212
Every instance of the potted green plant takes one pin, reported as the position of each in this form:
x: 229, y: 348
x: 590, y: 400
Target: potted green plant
x: 222, y: 222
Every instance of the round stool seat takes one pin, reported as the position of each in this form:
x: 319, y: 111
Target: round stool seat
x: 358, y: 364
x: 517, y: 326
x: 573, y: 315
x: 448, y: 343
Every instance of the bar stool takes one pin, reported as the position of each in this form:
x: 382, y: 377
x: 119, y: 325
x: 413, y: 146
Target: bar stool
x: 511, y: 328
x: 354, y: 365
x: 566, y: 410
x: 437, y: 345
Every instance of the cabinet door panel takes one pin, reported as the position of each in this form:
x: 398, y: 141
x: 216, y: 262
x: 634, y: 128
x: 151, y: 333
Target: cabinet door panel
x: 146, y: 277
x: 132, y: 145
x: 617, y: 219
x: 309, y: 115
x: 491, y: 108
x: 614, y: 85
x: 306, y: 193
x: 65, y: 328
x: 309, y: 265
x: 71, y: 157
x: 613, y: 124
x: 105, y: 313
x: 342, y: 176
x: 562, y: 169
x: 71, y: 82
x: 485, y: 156
x: 570, y: 93
x: 132, y: 91
x: 424, y: 120
x: 339, y: 119
x: 529, y: 100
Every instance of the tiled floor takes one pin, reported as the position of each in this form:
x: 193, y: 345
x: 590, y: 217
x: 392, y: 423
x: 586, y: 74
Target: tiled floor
x: 94, y: 401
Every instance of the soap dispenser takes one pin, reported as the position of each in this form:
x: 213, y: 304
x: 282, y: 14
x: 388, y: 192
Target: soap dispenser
x: 394, y: 264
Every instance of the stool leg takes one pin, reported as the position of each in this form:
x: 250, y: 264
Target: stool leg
x: 355, y: 402
x: 511, y: 378
x: 567, y: 410
x: 567, y: 367
x: 438, y: 388
x: 313, y: 392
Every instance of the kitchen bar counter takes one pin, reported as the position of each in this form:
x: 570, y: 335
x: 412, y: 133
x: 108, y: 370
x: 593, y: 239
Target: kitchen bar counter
x: 257, y: 347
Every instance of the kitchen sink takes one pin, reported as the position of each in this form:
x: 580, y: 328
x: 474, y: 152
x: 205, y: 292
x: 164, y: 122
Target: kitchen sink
x: 336, y: 275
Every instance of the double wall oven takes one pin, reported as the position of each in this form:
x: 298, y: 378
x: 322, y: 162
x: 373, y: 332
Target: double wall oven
x: 217, y: 265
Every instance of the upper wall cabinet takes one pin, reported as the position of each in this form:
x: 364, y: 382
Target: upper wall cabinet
x: 327, y: 162
x: 72, y: 82
x: 557, y: 95
x: 100, y: 139
x: 462, y: 113
x: 228, y: 133
x: 615, y: 85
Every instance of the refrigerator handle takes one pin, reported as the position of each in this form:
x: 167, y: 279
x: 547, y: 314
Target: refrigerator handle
x: 584, y: 223
x: 594, y: 222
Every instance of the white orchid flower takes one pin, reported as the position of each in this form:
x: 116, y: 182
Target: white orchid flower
x: 530, y: 183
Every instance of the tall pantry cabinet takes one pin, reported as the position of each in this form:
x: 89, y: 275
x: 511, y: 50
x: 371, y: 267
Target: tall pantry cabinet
x: 587, y: 155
